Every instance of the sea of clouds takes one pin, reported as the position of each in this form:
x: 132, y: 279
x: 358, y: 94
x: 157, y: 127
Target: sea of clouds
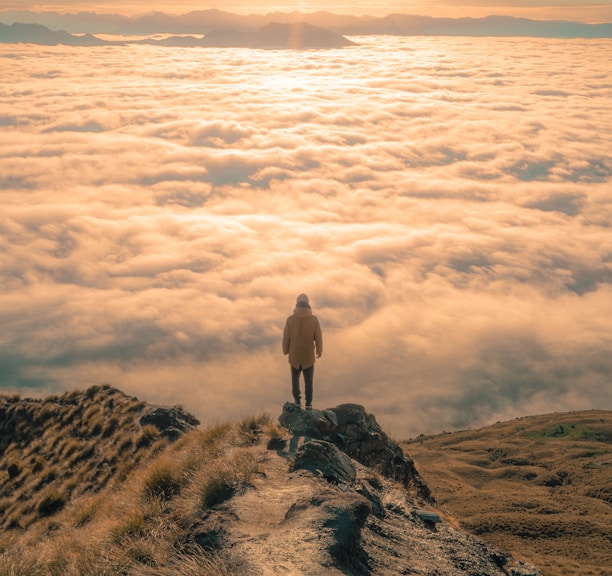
x: 446, y: 203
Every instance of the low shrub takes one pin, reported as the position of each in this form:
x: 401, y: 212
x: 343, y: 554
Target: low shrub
x: 250, y: 429
x: 51, y: 504
x: 162, y: 481
x: 217, y: 487
x: 13, y: 470
x: 148, y: 435
x: 224, y: 478
x: 131, y: 524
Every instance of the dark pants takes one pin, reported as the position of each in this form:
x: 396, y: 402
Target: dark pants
x: 295, y: 383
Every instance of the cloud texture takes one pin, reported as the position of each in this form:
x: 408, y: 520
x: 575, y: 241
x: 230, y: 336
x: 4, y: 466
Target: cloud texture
x: 444, y: 202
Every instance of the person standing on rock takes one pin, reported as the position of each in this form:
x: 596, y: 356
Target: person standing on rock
x: 302, y: 339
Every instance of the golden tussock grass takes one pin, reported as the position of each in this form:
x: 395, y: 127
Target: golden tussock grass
x: 137, y: 523
x: 539, y: 487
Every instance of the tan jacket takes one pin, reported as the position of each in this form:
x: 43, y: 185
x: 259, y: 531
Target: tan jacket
x: 302, y: 337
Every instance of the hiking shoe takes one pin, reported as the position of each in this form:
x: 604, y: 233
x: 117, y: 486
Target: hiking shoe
x: 298, y: 405
x: 308, y: 406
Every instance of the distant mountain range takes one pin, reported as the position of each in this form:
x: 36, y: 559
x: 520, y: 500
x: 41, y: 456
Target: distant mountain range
x: 297, y: 36
x: 39, y: 34
x: 203, y: 22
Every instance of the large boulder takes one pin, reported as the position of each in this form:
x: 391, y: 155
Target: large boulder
x: 324, y: 458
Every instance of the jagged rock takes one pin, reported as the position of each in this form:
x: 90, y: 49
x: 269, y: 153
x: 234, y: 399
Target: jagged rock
x: 171, y: 422
x: 357, y: 434
x: 324, y: 458
x: 276, y: 444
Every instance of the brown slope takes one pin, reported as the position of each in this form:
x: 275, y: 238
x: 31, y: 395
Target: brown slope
x: 540, y: 487
x: 56, y: 449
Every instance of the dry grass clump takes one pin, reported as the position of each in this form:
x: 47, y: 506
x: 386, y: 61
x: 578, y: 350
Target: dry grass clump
x: 251, y: 428
x: 219, y: 481
x: 195, y: 562
x: 141, y: 526
x: 163, y: 479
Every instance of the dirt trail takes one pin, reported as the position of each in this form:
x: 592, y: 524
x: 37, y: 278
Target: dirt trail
x: 296, y: 523
x: 265, y: 530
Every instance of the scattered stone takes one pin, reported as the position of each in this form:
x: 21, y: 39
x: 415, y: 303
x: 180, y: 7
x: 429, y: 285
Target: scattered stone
x: 429, y: 518
x: 523, y: 569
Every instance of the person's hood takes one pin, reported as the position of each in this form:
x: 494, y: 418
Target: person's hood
x: 303, y: 310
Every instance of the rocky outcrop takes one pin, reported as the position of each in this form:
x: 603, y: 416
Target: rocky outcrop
x: 356, y: 433
x: 340, y: 518
x: 171, y: 422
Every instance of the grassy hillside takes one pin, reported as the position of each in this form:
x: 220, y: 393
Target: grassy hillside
x: 55, y: 449
x: 539, y: 487
x: 89, y: 487
x: 91, y: 492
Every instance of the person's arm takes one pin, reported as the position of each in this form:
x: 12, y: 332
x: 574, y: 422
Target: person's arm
x: 318, y: 338
x: 286, y: 338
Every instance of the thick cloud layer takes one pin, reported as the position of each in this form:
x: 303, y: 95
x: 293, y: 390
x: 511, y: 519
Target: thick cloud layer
x: 444, y: 202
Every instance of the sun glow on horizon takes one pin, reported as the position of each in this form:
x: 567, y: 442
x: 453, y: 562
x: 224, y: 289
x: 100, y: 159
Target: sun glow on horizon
x: 581, y: 11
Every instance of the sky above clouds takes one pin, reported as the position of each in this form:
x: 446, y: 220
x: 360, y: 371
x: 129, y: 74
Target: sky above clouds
x: 578, y: 10
x: 444, y: 202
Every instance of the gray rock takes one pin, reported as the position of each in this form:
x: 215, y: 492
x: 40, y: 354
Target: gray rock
x: 308, y: 423
x: 324, y: 458
x: 357, y: 434
x: 171, y: 422
x: 346, y: 525
x: 428, y: 517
